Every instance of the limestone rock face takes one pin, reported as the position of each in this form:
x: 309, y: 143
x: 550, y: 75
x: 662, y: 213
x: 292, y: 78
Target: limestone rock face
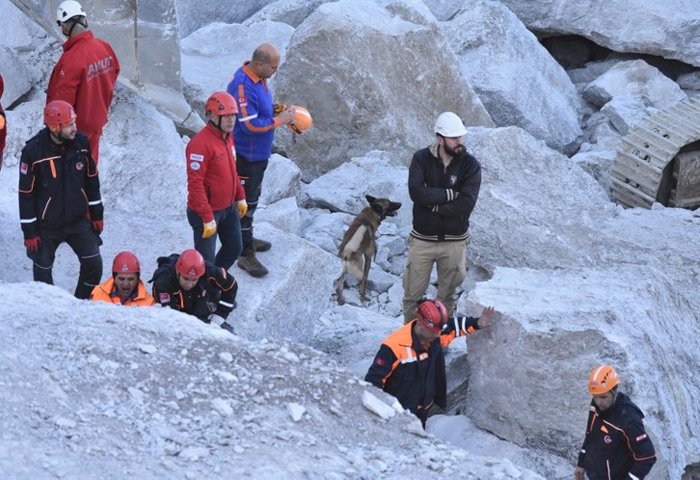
x: 668, y: 29
x: 143, y: 35
x: 291, y: 12
x: 390, y: 74
x: 282, y: 180
x: 637, y: 79
x: 555, y: 326
x: 209, y: 60
x: 288, y: 300
x: 128, y: 155
x: 194, y: 15
x: 515, y: 77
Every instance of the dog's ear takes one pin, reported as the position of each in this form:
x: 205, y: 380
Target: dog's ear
x: 370, y: 199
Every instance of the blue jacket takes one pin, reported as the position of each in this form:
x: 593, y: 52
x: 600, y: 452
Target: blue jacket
x: 255, y: 123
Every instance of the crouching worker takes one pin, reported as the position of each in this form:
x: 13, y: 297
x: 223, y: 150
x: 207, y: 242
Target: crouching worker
x: 125, y: 287
x: 188, y: 284
x: 410, y: 364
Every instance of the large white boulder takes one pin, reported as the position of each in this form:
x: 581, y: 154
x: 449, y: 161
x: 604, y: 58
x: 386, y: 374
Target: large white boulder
x: 555, y: 326
x: 291, y: 12
x: 287, y: 301
x: 516, y: 78
x: 282, y: 180
x: 637, y: 79
x: 375, y: 75
x: 212, y: 54
x: 18, y: 81
x: 193, y: 15
x: 142, y: 161
x: 667, y: 29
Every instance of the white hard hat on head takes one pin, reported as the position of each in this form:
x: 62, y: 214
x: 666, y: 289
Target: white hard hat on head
x: 68, y: 10
x: 450, y: 125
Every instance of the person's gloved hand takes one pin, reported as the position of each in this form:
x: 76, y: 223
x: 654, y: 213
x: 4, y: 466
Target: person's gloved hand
x: 215, y: 319
x: 242, y: 206
x: 209, y: 229
x: 32, y: 243
x: 98, y: 225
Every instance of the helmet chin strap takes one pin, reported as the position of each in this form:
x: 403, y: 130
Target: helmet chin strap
x: 218, y: 127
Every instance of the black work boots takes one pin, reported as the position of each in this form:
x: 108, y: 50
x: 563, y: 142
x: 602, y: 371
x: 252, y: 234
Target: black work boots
x: 250, y: 263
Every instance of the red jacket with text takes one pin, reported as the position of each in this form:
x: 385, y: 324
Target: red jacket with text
x: 212, y: 178
x: 84, y: 77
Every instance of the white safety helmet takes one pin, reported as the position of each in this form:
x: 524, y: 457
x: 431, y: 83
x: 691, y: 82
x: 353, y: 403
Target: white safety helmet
x: 450, y: 125
x: 68, y: 10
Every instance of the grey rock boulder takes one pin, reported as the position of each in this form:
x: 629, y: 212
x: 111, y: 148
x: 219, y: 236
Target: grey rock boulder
x: 376, y: 75
x: 637, y: 79
x: 515, y: 77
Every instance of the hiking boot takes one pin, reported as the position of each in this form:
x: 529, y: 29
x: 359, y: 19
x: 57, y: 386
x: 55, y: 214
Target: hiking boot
x: 261, y: 245
x: 250, y: 264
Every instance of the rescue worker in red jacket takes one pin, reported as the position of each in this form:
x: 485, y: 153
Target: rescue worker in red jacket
x: 616, y: 446
x: 187, y: 283
x: 3, y: 123
x: 125, y: 287
x: 58, y: 187
x: 215, y: 200
x: 85, y: 74
x: 410, y: 364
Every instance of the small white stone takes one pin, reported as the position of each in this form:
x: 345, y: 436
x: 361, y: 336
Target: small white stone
x: 226, y: 357
x: 222, y: 406
x: 147, y: 349
x: 295, y: 411
x: 376, y: 406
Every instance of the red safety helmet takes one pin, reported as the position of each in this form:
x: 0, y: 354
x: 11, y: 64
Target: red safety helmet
x: 58, y: 114
x: 126, y: 262
x: 190, y: 264
x: 602, y: 380
x: 433, y: 314
x: 221, y: 103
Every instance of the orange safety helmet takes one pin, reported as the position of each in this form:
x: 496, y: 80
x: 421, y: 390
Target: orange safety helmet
x: 432, y: 313
x: 190, y: 264
x: 126, y: 262
x: 602, y: 380
x: 57, y: 114
x: 221, y: 103
x: 302, y: 120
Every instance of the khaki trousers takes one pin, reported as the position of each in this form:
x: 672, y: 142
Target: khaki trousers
x: 451, y: 260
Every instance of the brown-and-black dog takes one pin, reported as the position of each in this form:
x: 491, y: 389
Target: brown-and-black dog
x: 359, y: 243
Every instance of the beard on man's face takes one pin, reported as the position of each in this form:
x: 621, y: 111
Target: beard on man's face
x: 458, y: 151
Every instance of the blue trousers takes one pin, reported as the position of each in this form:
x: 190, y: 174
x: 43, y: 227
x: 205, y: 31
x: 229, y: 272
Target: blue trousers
x: 228, y: 230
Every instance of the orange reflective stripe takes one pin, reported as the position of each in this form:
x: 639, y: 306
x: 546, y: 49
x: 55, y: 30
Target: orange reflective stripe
x: 629, y: 444
x: 244, y: 113
x: 53, y: 168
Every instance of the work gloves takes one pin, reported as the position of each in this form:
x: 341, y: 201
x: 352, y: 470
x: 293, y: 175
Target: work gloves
x: 242, y: 206
x: 209, y: 229
x: 278, y: 108
x: 215, y: 319
x: 98, y: 225
x: 32, y: 244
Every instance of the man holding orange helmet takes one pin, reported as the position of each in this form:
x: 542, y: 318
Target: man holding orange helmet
x: 187, y: 283
x: 216, y: 200
x: 58, y: 187
x: 410, y: 364
x: 254, y: 132
x: 616, y: 445
x: 125, y: 286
